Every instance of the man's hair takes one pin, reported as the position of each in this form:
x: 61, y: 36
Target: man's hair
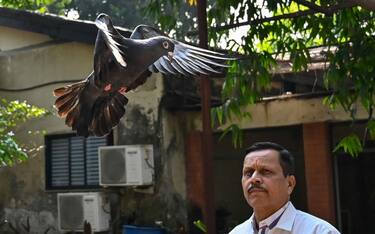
x: 285, y: 157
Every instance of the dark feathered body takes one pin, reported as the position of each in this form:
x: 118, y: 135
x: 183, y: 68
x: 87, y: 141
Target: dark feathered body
x: 99, y: 109
x: 106, y: 66
x: 138, y: 49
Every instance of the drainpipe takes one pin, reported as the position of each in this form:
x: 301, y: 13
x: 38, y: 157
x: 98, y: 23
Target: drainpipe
x: 209, y: 199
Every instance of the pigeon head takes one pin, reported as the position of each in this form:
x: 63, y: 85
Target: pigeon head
x: 167, y: 46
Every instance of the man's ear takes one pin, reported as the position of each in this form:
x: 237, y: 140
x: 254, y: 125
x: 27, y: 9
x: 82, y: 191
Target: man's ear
x: 291, y: 183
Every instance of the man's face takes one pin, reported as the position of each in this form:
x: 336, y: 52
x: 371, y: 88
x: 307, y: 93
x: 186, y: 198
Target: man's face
x: 264, y: 185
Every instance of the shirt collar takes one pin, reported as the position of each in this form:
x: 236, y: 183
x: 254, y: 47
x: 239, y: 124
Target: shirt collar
x: 274, y: 216
x: 287, y: 219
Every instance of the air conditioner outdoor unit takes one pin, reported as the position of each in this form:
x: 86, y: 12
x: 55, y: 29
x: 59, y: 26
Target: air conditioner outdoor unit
x: 126, y: 165
x: 75, y: 208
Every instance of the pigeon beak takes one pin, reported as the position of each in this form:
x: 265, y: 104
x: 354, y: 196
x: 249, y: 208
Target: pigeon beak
x: 170, y: 56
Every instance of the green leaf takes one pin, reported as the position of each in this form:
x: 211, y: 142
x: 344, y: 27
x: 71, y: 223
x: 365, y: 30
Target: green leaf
x: 200, y: 225
x: 371, y: 129
x: 237, y: 135
x: 350, y: 144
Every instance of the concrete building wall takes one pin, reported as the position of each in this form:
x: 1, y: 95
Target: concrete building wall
x: 22, y: 198
x: 13, y: 38
x: 290, y: 111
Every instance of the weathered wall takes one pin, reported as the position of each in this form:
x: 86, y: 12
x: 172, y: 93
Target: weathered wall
x: 23, y: 203
x: 12, y: 38
x: 291, y: 111
x: 145, y: 122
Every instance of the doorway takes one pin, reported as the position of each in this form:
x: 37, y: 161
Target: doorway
x: 356, y: 182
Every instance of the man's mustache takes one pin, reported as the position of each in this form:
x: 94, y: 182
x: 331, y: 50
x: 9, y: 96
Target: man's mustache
x: 255, y: 186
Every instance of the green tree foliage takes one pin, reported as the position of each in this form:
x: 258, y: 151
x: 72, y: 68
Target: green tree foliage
x: 42, y: 6
x: 124, y: 13
x: 12, y: 114
x: 131, y: 13
x: 344, y: 29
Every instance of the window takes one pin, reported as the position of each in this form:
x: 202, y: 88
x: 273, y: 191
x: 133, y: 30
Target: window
x: 72, y: 161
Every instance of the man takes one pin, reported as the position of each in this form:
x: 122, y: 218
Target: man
x: 267, y: 182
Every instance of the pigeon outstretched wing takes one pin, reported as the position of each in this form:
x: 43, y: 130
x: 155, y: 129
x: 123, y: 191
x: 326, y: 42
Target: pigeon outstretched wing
x: 187, y: 60
x: 111, y: 37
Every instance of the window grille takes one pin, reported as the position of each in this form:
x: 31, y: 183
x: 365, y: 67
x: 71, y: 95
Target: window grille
x: 72, y: 161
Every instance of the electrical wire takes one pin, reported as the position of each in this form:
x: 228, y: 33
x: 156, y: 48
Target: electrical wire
x: 38, y: 86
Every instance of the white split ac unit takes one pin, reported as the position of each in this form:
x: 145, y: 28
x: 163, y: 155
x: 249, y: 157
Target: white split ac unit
x: 126, y: 165
x: 75, y: 208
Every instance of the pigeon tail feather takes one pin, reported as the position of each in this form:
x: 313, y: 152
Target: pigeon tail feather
x: 74, y: 107
x: 68, y: 97
x: 107, y: 112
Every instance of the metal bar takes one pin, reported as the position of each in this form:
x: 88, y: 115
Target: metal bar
x: 70, y: 160
x: 209, y: 201
x: 85, y: 160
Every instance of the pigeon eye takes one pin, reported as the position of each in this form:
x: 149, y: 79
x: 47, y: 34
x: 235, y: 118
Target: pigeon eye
x: 165, y: 44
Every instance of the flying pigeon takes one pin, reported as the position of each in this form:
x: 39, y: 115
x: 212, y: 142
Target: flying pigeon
x: 96, y: 104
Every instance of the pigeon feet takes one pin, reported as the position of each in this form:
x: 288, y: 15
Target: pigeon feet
x: 123, y: 90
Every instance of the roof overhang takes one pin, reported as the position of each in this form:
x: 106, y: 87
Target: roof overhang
x: 57, y: 27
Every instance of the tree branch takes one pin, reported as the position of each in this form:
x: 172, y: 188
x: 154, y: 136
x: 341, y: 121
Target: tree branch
x: 257, y: 21
x: 367, y: 4
x: 312, y: 6
x: 328, y: 11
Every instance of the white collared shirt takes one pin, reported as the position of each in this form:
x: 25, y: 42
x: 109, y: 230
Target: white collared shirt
x: 292, y: 221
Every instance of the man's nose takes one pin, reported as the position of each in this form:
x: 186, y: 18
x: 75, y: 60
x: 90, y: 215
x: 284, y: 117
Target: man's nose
x: 255, y: 178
